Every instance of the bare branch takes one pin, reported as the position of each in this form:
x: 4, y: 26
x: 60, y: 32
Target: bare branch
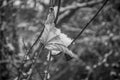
x: 90, y: 21
x: 68, y: 12
x: 59, y: 3
x: 80, y: 5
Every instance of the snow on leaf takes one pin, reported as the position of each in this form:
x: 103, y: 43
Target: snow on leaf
x: 54, y: 39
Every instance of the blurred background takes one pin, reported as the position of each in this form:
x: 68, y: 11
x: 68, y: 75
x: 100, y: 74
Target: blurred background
x: 98, y: 47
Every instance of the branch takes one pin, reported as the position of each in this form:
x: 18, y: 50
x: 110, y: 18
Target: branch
x: 87, y: 25
x: 21, y: 66
x: 80, y: 5
x: 64, y: 17
x: 103, y: 60
x: 52, y: 5
x: 89, y: 22
x: 68, y: 12
x: 105, y: 57
x: 36, y: 40
x: 59, y: 3
x: 48, y: 65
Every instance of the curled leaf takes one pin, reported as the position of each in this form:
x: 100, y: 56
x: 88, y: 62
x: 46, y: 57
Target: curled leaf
x: 57, y: 48
x: 54, y: 39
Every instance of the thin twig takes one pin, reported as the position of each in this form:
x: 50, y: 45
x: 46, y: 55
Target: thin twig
x: 89, y: 22
x: 34, y: 61
x: 34, y: 44
x: 52, y: 5
x: 36, y: 40
x: 68, y: 11
x: 21, y: 66
x: 48, y: 65
x: 58, y: 10
x: 80, y: 5
x: 106, y: 56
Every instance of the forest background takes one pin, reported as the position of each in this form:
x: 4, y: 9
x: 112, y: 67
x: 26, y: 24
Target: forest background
x: 98, y: 47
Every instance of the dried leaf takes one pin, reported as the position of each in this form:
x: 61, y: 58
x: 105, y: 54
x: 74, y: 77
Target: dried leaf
x: 54, y: 40
x: 57, y: 48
